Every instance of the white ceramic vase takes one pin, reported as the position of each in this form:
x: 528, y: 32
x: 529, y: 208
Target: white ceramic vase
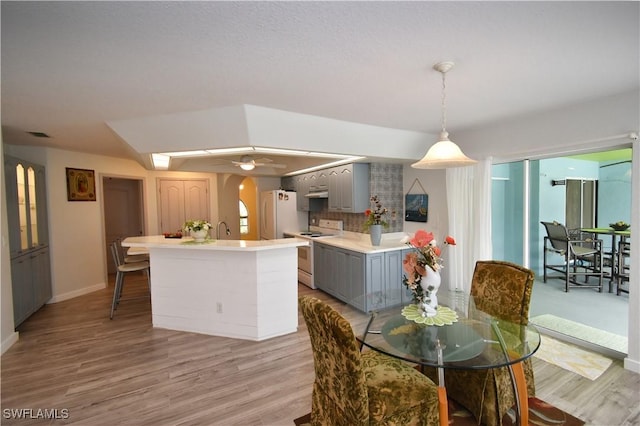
x: 199, y: 236
x: 430, y: 284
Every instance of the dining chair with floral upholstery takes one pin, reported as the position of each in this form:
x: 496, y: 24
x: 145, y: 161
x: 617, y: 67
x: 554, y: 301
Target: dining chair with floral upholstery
x: 361, y: 388
x: 502, y: 290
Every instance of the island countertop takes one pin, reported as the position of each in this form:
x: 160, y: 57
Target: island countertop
x: 159, y: 241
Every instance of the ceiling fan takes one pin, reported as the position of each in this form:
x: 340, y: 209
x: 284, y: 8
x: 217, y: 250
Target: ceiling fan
x: 248, y: 163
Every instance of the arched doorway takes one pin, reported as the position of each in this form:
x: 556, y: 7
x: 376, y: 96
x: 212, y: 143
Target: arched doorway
x: 248, y: 196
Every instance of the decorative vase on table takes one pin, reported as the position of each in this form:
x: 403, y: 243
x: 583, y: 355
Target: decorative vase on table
x: 430, y: 284
x: 199, y: 236
x: 375, y: 232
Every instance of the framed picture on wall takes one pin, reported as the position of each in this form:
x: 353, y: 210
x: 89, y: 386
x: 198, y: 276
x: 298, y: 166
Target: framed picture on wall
x: 416, y: 206
x: 81, y: 185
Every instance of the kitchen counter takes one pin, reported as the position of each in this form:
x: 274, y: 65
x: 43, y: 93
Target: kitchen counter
x: 230, y: 288
x: 187, y: 243
x: 361, y: 243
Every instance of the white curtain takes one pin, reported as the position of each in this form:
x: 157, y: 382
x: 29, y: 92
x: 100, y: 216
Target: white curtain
x: 469, y: 206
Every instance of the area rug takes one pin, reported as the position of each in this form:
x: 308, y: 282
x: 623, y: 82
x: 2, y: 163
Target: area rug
x: 572, y: 358
x: 540, y: 414
x: 582, y: 332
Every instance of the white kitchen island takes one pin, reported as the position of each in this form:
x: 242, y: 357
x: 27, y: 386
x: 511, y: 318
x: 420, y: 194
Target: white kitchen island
x: 231, y: 288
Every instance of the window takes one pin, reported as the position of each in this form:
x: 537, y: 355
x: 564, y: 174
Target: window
x: 244, y: 218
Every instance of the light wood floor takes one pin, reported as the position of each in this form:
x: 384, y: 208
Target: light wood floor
x: 71, y: 356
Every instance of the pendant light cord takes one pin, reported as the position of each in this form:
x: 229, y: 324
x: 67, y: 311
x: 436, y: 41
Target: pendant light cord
x: 444, y: 107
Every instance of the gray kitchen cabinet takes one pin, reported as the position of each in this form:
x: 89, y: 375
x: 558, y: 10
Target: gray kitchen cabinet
x: 393, y: 275
x: 288, y: 183
x: 350, y: 277
x: 30, y: 283
x: 25, y: 185
x: 384, y: 280
x: 322, y: 180
x: 375, y: 282
x: 303, y: 183
x: 349, y: 188
x: 365, y: 281
x: 340, y: 273
x: 323, y: 272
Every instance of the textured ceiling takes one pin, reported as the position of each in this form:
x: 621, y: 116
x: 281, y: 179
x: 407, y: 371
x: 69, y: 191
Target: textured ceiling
x: 69, y: 67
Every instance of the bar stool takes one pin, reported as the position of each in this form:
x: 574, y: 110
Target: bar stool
x: 122, y: 269
x: 127, y: 257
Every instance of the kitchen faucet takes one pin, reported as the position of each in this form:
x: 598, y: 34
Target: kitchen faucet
x: 228, y: 231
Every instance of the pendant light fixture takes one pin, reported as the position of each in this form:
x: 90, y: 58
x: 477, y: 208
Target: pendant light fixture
x: 444, y: 153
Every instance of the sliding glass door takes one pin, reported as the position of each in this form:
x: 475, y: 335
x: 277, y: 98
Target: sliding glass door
x: 507, y: 211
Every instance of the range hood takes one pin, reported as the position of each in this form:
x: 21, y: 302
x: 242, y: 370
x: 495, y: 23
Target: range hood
x: 317, y: 194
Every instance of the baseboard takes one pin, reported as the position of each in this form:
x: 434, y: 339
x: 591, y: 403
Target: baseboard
x: 632, y: 365
x: 611, y: 353
x: 75, y: 293
x: 9, y: 341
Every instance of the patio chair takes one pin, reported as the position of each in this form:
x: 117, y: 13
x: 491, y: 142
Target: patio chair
x: 624, y: 251
x: 581, y: 257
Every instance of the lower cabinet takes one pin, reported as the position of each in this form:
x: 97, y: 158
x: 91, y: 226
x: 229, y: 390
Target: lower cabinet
x: 365, y: 281
x: 31, y: 282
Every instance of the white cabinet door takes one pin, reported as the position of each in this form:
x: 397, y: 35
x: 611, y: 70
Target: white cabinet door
x: 182, y: 200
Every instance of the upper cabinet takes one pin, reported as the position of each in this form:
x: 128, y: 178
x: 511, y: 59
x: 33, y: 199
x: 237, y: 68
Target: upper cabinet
x: 349, y: 188
x: 26, y: 205
x: 302, y: 188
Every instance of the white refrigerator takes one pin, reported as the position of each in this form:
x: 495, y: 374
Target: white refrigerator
x: 279, y: 214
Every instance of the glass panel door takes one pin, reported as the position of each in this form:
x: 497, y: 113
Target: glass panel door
x: 507, y: 218
x: 22, y: 207
x: 33, y: 211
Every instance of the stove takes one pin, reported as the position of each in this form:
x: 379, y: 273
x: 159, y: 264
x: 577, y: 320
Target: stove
x: 326, y: 228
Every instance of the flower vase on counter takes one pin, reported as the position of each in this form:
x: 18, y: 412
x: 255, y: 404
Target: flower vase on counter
x: 199, y: 236
x: 375, y: 220
x: 198, y: 229
x: 375, y: 234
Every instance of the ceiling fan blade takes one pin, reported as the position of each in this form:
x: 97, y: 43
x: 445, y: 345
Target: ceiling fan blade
x: 274, y: 165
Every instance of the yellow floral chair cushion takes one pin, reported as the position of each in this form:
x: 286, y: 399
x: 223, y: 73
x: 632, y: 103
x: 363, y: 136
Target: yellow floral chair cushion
x: 501, y: 289
x: 353, y: 388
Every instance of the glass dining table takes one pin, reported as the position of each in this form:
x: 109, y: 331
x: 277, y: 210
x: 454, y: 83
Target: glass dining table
x: 459, y: 337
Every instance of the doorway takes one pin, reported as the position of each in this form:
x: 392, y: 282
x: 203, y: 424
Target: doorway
x: 123, y: 211
x: 589, y: 190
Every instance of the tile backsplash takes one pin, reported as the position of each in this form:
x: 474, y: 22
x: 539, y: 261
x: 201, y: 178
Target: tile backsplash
x: 385, y: 181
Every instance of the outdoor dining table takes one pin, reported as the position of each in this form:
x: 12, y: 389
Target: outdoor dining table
x: 614, y: 247
x: 475, y: 340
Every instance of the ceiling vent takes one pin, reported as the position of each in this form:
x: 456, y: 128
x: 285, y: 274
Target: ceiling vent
x: 39, y: 134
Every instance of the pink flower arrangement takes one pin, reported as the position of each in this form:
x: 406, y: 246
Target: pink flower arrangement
x: 426, y: 253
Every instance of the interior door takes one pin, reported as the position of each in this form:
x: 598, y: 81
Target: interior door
x: 123, y: 213
x: 182, y: 200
